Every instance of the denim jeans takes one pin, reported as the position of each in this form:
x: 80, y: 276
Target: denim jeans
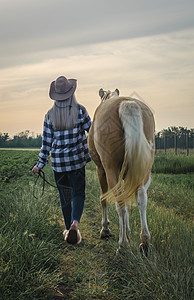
x: 71, y: 187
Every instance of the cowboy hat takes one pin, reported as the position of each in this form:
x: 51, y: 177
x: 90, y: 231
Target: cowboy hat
x: 62, y: 88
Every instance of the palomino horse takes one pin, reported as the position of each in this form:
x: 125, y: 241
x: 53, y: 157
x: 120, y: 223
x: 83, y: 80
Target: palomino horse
x: 121, y: 143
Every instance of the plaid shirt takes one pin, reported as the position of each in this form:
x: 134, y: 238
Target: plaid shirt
x: 69, y: 148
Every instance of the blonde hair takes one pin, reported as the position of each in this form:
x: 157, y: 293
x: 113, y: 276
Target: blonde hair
x: 63, y: 115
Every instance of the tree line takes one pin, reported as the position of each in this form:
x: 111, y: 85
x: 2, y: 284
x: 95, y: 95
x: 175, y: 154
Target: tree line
x: 172, y: 137
x: 24, y: 139
x: 175, y: 137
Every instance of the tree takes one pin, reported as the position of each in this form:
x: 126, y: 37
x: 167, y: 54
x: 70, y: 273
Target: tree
x: 172, y: 137
x: 22, y: 139
x: 3, y: 138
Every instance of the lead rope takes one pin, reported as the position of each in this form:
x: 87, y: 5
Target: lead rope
x: 41, y: 175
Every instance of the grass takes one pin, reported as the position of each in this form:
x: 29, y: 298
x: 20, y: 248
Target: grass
x: 29, y: 243
x: 174, y: 164
x: 174, y: 192
x: 172, y: 184
x: 35, y: 263
x: 16, y: 163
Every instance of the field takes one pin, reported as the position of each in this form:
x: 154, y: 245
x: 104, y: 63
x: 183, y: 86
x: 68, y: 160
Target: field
x: 35, y: 262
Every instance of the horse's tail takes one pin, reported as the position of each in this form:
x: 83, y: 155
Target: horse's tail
x: 138, y: 159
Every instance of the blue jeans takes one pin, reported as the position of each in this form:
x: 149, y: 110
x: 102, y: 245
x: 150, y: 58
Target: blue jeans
x: 71, y: 187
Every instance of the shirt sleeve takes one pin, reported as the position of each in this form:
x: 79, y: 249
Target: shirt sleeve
x: 47, y: 141
x: 87, y: 121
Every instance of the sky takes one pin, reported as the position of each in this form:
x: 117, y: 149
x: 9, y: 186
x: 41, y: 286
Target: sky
x: 143, y: 48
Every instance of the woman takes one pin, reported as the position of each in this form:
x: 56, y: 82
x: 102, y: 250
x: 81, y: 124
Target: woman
x: 64, y: 135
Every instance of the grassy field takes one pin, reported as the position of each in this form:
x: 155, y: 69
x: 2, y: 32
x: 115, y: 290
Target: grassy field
x: 35, y: 262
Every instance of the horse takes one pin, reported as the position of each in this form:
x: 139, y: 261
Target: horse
x: 121, y: 143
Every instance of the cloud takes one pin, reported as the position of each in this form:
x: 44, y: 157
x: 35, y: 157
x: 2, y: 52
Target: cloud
x: 30, y: 27
x: 159, y: 68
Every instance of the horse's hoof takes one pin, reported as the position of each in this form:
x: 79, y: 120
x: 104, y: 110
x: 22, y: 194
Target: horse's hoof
x: 118, y: 251
x: 144, y: 249
x: 121, y: 251
x: 105, y: 233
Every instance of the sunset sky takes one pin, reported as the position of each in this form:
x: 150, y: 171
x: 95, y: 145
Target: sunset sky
x: 145, y: 48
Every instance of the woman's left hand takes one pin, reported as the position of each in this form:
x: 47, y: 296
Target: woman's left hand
x: 35, y: 169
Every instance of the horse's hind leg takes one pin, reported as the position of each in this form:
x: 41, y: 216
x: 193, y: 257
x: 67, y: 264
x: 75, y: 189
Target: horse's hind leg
x: 123, y: 210
x: 105, y: 232
x: 142, y: 204
x: 124, y: 235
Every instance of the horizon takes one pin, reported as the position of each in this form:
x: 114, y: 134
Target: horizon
x: 36, y: 134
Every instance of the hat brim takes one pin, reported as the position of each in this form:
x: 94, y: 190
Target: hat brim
x: 60, y: 97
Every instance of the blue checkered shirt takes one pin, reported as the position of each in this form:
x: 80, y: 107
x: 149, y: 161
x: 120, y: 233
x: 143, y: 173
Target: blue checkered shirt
x: 69, y: 148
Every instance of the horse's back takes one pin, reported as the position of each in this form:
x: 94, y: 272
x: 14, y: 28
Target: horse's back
x: 107, y: 114
x: 106, y: 137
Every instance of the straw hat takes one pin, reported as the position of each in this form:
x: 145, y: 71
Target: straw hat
x: 62, y: 88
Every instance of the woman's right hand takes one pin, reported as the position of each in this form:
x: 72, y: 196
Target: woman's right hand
x: 35, y: 169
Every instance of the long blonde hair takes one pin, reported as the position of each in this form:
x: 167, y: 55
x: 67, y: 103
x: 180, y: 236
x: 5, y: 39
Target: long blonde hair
x: 63, y: 115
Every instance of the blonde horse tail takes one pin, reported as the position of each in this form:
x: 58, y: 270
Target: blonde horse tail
x: 138, y: 159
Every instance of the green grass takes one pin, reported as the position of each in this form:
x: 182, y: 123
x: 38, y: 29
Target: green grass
x: 29, y: 241
x: 172, y: 184
x: 35, y: 262
x: 15, y: 163
x: 174, y: 192
x: 174, y: 164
